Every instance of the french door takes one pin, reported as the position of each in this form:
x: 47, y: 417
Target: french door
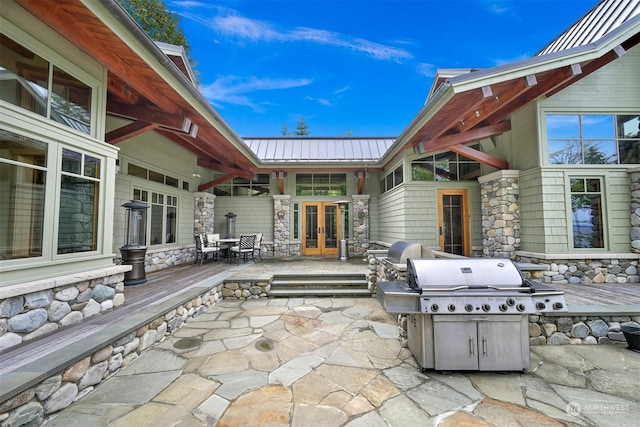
x: 320, y: 228
x: 453, y: 221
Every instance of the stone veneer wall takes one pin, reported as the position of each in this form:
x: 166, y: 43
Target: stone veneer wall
x: 359, y: 243
x: 32, y: 406
x: 203, y: 214
x: 282, y: 246
x: 500, y: 213
x: 58, y: 302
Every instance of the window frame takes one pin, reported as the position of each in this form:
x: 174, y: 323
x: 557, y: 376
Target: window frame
x: 146, y: 195
x: 603, y: 212
x: 584, y: 142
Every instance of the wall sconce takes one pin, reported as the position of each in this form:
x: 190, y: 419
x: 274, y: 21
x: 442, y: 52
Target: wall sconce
x: 281, y: 214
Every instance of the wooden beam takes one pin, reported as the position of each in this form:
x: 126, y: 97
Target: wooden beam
x: 145, y: 112
x: 361, y: 179
x: 280, y: 185
x: 129, y: 131
x: 466, y: 137
x: 479, y: 156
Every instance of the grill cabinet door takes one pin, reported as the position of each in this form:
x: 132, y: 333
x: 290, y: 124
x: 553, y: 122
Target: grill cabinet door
x: 455, y: 343
x: 500, y: 344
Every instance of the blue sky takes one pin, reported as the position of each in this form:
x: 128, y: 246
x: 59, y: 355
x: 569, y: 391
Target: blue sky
x: 360, y: 68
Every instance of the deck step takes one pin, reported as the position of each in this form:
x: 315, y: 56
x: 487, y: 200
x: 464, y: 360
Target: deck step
x: 338, y: 284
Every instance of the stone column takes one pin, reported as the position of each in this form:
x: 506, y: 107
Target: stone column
x: 360, y: 222
x: 500, y: 213
x: 634, y: 189
x: 203, y: 213
x: 281, y: 225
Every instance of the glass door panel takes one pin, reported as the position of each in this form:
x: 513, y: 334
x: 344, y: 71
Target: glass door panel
x: 321, y: 225
x: 453, y: 222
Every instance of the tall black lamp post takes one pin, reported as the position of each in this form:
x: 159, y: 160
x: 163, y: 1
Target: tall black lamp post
x: 135, y: 242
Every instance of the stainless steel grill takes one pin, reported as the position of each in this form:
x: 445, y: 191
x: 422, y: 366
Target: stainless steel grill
x: 468, y: 313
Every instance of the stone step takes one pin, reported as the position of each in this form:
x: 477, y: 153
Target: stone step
x: 344, y: 284
x: 293, y: 292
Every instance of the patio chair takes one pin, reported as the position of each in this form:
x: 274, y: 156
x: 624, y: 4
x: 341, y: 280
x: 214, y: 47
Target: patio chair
x: 245, y: 247
x: 257, y: 246
x: 203, y: 250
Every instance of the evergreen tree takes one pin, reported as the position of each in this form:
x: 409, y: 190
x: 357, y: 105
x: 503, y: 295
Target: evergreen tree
x: 285, y: 130
x: 157, y: 21
x: 302, y: 128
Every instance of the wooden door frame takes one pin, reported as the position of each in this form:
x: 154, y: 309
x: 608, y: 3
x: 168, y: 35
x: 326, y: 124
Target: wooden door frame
x: 321, y: 249
x: 466, y: 238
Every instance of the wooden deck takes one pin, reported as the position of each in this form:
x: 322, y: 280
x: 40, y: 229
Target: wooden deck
x: 601, y: 293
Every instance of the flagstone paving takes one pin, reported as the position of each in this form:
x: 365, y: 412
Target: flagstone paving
x: 338, y: 362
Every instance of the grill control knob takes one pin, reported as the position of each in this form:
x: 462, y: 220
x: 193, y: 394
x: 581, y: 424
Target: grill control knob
x: 451, y: 307
x: 511, y: 302
x: 558, y: 305
x: 520, y: 307
x: 486, y: 307
x: 468, y: 308
x: 503, y: 307
x: 540, y: 305
x: 434, y: 307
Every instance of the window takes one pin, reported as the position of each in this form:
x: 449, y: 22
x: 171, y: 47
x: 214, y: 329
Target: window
x: 259, y: 186
x: 79, y: 197
x: 321, y: 184
x: 393, y: 179
x: 448, y: 166
x: 296, y: 221
x: 591, y: 139
x: 151, y: 175
x: 586, y: 208
x: 26, y: 83
x: 23, y: 171
x: 162, y: 218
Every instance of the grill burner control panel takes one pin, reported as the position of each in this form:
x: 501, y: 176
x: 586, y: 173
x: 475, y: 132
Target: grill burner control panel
x: 491, y: 304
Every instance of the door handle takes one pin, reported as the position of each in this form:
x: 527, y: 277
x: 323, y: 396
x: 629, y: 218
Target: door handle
x: 484, y: 346
x: 471, y: 350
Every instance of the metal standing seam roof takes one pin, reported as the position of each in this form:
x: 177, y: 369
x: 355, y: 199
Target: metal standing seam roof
x: 310, y: 150
x: 603, y: 18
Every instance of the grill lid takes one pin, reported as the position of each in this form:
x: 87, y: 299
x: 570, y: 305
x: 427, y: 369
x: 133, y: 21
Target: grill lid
x: 401, y: 250
x: 473, y: 273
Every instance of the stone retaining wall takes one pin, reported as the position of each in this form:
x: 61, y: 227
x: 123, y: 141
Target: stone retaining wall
x: 584, y: 271
x: 246, y: 289
x: 560, y: 330
x: 58, y: 302
x: 34, y: 405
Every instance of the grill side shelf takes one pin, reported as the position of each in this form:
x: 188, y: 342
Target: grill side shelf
x: 397, y: 297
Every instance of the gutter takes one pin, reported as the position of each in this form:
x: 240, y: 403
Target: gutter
x: 130, y: 24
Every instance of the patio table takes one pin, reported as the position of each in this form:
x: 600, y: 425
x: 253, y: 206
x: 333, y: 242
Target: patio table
x: 229, y: 242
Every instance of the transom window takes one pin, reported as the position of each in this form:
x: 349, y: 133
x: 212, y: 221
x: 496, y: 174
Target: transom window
x: 586, y: 209
x: 35, y: 84
x: 392, y: 179
x: 593, y: 139
x: 151, y: 175
x: 448, y: 166
x: 259, y: 186
x: 321, y: 184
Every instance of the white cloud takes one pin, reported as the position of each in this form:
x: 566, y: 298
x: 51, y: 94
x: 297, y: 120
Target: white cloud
x: 234, y: 89
x: 235, y: 26
x: 341, y: 90
x: 427, y: 70
x: 321, y: 101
